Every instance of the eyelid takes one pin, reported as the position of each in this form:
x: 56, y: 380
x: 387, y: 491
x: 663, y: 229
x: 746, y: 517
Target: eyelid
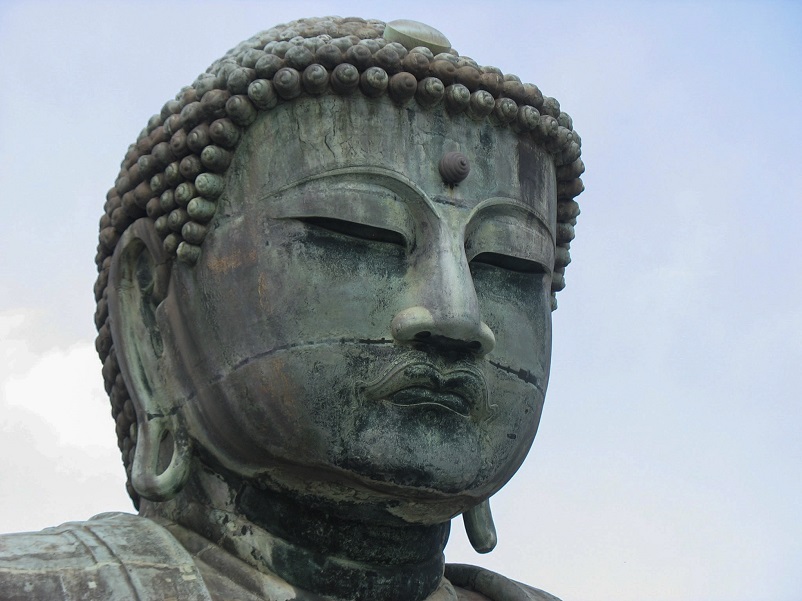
x: 345, y: 201
x: 511, y: 263
x: 356, y: 230
x: 506, y: 235
x: 502, y: 205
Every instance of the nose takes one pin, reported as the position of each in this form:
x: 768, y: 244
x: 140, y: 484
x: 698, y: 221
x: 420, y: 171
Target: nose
x: 446, y: 313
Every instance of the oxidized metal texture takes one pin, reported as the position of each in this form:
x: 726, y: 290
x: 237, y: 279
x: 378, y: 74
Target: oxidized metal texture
x: 193, y: 135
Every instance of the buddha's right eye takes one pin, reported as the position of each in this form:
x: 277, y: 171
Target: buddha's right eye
x: 356, y: 230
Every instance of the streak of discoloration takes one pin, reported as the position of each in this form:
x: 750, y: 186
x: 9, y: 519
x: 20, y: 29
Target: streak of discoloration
x: 231, y: 261
x: 264, y: 303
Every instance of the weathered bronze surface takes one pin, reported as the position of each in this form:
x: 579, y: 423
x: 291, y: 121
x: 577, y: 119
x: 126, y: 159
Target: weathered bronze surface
x: 326, y: 277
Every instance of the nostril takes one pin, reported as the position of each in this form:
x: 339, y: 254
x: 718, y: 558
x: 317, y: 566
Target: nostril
x: 418, y: 325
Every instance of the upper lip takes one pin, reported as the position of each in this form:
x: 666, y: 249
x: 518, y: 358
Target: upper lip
x: 461, y: 388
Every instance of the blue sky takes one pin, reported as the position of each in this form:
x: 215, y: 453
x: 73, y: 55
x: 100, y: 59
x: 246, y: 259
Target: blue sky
x: 667, y: 465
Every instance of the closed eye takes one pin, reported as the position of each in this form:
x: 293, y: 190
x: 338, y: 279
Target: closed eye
x: 356, y: 230
x: 510, y: 263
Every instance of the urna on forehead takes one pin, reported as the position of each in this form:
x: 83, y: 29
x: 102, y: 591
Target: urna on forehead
x: 176, y: 171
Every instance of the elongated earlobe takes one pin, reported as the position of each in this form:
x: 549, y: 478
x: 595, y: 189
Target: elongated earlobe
x: 157, y: 435
x: 480, y: 527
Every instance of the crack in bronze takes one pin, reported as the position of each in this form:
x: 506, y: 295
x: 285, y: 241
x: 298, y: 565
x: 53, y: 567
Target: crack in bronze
x: 521, y: 374
x: 285, y: 347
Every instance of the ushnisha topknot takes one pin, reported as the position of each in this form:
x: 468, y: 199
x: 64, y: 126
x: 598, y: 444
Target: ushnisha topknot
x: 175, y: 171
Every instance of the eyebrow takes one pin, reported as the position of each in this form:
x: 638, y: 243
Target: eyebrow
x: 511, y: 203
x: 409, y: 187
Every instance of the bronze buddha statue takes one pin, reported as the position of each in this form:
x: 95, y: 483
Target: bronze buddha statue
x: 326, y: 277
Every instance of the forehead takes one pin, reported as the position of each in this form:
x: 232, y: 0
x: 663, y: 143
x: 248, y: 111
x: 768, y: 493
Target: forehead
x: 310, y: 137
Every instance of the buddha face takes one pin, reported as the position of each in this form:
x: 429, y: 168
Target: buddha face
x: 355, y: 327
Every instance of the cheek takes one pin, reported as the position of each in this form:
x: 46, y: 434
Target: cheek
x: 277, y: 283
x: 289, y: 405
x: 517, y: 307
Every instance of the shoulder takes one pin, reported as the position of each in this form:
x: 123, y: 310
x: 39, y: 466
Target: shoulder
x: 112, y: 556
x: 480, y: 584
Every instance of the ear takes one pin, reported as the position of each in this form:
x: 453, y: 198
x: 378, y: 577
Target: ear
x: 480, y: 527
x: 138, y: 283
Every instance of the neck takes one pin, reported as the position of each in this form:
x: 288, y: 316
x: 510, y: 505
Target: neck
x: 317, y: 546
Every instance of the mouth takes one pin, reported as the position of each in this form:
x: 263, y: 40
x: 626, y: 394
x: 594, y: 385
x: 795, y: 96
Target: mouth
x: 419, y: 395
x: 461, y: 389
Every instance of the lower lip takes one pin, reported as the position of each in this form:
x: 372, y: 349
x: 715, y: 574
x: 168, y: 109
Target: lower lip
x: 418, y: 395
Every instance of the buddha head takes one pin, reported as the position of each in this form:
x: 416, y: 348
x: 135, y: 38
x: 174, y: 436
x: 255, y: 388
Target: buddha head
x: 328, y: 267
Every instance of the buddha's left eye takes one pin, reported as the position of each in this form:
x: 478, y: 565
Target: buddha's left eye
x: 510, y: 263
x: 356, y: 230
